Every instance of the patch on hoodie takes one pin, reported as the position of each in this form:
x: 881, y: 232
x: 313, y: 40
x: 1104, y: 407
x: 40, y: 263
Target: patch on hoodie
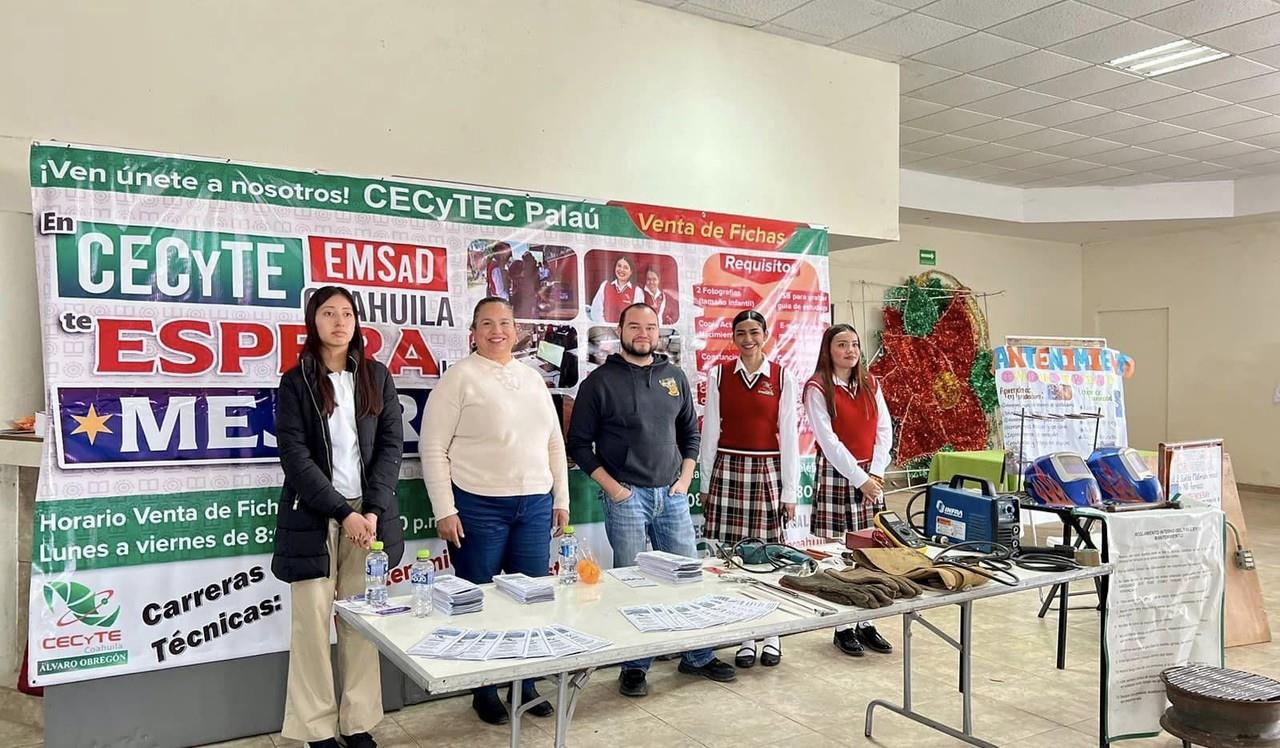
x: 669, y: 383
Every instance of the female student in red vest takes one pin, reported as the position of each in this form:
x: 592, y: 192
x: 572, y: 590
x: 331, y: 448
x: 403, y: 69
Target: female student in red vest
x: 851, y: 423
x: 612, y: 296
x: 750, y: 453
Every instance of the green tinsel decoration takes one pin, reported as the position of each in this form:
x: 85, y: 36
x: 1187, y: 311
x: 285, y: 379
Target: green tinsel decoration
x: 941, y: 295
x: 921, y: 313
x: 982, y: 379
x: 896, y: 298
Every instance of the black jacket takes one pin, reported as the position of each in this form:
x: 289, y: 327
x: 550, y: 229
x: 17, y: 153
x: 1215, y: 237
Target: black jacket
x: 636, y: 421
x: 308, y: 499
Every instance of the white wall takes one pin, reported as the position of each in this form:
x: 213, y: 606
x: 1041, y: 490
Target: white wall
x: 601, y: 98
x: 1222, y: 290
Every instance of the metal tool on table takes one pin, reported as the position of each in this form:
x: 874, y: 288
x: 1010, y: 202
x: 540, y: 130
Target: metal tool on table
x: 818, y: 608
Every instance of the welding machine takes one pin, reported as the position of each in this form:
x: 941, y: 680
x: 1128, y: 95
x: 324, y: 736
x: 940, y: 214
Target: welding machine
x: 954, y: 514
x: 1123, y: 476
x: 1061, y: 479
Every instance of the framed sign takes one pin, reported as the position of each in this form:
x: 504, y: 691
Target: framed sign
x: 1192, y: 470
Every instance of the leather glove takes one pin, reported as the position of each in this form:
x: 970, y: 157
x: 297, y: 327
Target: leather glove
x: 897, y: 587
x: 833, y: 590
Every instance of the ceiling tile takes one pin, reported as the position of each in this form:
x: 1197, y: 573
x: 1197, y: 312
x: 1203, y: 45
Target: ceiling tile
x: 1269, y: 104
x: 911, y: 134
x: 759, y: 10
x: 1147, y: 133
x: 908, y: 4
x: 1270, y: 140
x: 1057, y: 23
x: 665, y: 3
x: 1218, y: 152
x: 837, y: 19
x: 1136, y: 179
x: 1246, y: 37
x: 987, y: 152
x: 979, y: 171
x: 1122, y: 156
x: 1142, y: 92
x: 1260, y: 126
x: 1105, y: 123
x: 909, y: 157
x: 1014, y: 178
x: 1199, y: 16
x: 1225, y: 115
x: 1082, y: 148
x: 905, y: 36
x: 962, y: 90
x: 1133, y: 8
x: 1248, y: 90
x: 1246, y: 160
x: 770, y: 28
x: 1026, y: 160
x: 1189, y: 170
x: 1176, y: 107
x: 1184, y: 142
x: 1041, y: 139
x: 1116, y: 41
x: 973, y: 52
x: 1031, y: 68
x: 1062, y: 168
x: 940, y: 164
x: 913, y: 75
x: 944, y: 144
x: 717, y: 15
x: 1058, y: 114
x: 1098, y: 174
x: 909, y: 108
x: 1216, y: 73
x: 1269, y: 56
x: 950, y: 120
x: 1013, y: 102
x: 1084, y: 82
x: 1163, y: 161
x: 997, y: 130
x: 982, y: 13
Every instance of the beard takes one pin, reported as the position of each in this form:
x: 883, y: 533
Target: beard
x: 643, y: 349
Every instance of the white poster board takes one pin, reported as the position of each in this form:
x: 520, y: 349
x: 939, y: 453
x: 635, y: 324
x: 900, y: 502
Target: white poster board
x: 1193, y: 471
x: 1164, y: 608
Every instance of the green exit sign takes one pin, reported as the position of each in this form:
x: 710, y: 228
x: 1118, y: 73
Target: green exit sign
x: 928, y: 257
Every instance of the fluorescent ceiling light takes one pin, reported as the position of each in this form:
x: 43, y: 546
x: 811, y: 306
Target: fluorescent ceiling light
x: 1167, y: 58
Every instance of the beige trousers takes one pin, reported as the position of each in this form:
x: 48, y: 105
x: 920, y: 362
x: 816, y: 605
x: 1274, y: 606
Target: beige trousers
x: 311, y: 712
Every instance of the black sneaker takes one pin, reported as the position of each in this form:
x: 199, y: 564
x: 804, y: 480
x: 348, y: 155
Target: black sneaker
x: 326, y: 743
x: 872, y: 640
x: 720, y: 672
x: 847, y: 641
x: 529, y: 694
x: 360, y: 740
x: 489, y: 707
x: 631, y: 683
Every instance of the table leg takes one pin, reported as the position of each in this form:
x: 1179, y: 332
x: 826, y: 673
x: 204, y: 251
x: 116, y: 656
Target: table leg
x: 517, y: 713
x: 568, y: 688
x: 1063, y: 594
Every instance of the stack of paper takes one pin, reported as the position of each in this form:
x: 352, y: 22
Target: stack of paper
x: 453, y: 595
x: 526, y: 589
x: 450, y: 643
x: 669, y: 567
x: 705, y: 612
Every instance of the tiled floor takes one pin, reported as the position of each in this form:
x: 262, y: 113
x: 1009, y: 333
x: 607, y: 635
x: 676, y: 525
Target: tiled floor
x: 817, y: 697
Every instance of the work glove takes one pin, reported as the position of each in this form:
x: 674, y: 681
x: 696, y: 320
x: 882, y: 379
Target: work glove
x: 833, y: 590
x: 897, y: 587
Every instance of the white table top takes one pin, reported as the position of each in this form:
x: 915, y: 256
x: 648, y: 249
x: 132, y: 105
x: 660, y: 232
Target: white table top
x: 593, y: 609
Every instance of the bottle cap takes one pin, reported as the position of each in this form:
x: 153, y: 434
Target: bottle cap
x: 568, y: 529
x: 376, y: 546
x: 424, y: 554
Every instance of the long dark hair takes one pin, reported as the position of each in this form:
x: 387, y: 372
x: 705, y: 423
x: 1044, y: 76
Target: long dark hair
x: 368, y: 397
x: 825, y: 372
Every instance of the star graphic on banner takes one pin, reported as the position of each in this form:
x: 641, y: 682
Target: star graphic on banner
x: 92, y: 424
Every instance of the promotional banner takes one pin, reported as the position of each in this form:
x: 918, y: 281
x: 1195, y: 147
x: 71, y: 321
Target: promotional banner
x: 1164, y: 608
x: 1049, y: 395
x: 171, y: 292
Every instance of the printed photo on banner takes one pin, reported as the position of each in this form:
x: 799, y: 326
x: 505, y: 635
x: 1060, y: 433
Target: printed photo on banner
x: 552, y: 350
x: 540, y: 281
x: 616, y: 280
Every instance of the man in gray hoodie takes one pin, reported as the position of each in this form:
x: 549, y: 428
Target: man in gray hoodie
x: 635, y: 432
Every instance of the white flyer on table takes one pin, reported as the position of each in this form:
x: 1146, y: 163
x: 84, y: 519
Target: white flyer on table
x: 437, y: 642
x: 631, y: 576
x: 559, y: 645
x: 479, y: 648
x: 510, y: 645
x: 537, y: 645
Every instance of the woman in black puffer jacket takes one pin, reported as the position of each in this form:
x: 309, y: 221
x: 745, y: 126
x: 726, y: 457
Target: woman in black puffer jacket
x: 340, y: 440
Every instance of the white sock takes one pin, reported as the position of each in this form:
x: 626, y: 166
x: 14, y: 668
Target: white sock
x: 774, y: 642
x: 845, y: 627
x: 751, y: 645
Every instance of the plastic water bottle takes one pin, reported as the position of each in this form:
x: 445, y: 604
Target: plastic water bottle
x: 568, y: 557
x: 375, y: 576
x: 421, y: 576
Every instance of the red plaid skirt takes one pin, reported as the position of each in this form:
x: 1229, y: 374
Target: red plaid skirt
x: 743, y: 499
x: 838, y: 506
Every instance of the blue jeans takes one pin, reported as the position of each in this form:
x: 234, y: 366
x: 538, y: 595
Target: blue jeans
x: 651, y: 516
x: 509, y: 534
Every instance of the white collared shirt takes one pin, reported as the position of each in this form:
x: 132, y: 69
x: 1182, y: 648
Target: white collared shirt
x: 834, y: 450
x: 343, y: 438
x: 788, y: 426
x: 596, y: 312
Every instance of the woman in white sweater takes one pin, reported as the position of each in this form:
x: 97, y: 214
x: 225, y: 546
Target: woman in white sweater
x: 494, y: 463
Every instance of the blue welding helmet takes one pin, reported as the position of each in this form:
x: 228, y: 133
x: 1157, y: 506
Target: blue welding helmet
x: 1061, y: 479
x: 1123, y: 476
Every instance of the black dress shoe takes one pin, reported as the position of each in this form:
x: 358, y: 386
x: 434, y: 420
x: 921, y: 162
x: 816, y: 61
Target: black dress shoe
x: 360, y: 740
x: 847, y: 641
x: 326, y: 743
x: 872, y: 640
x: 489, y: 707
x: 746, y: 656
x: 770, y: 656
x: 720, y: 672
x: 631, y: 683
x: 529, y: 694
